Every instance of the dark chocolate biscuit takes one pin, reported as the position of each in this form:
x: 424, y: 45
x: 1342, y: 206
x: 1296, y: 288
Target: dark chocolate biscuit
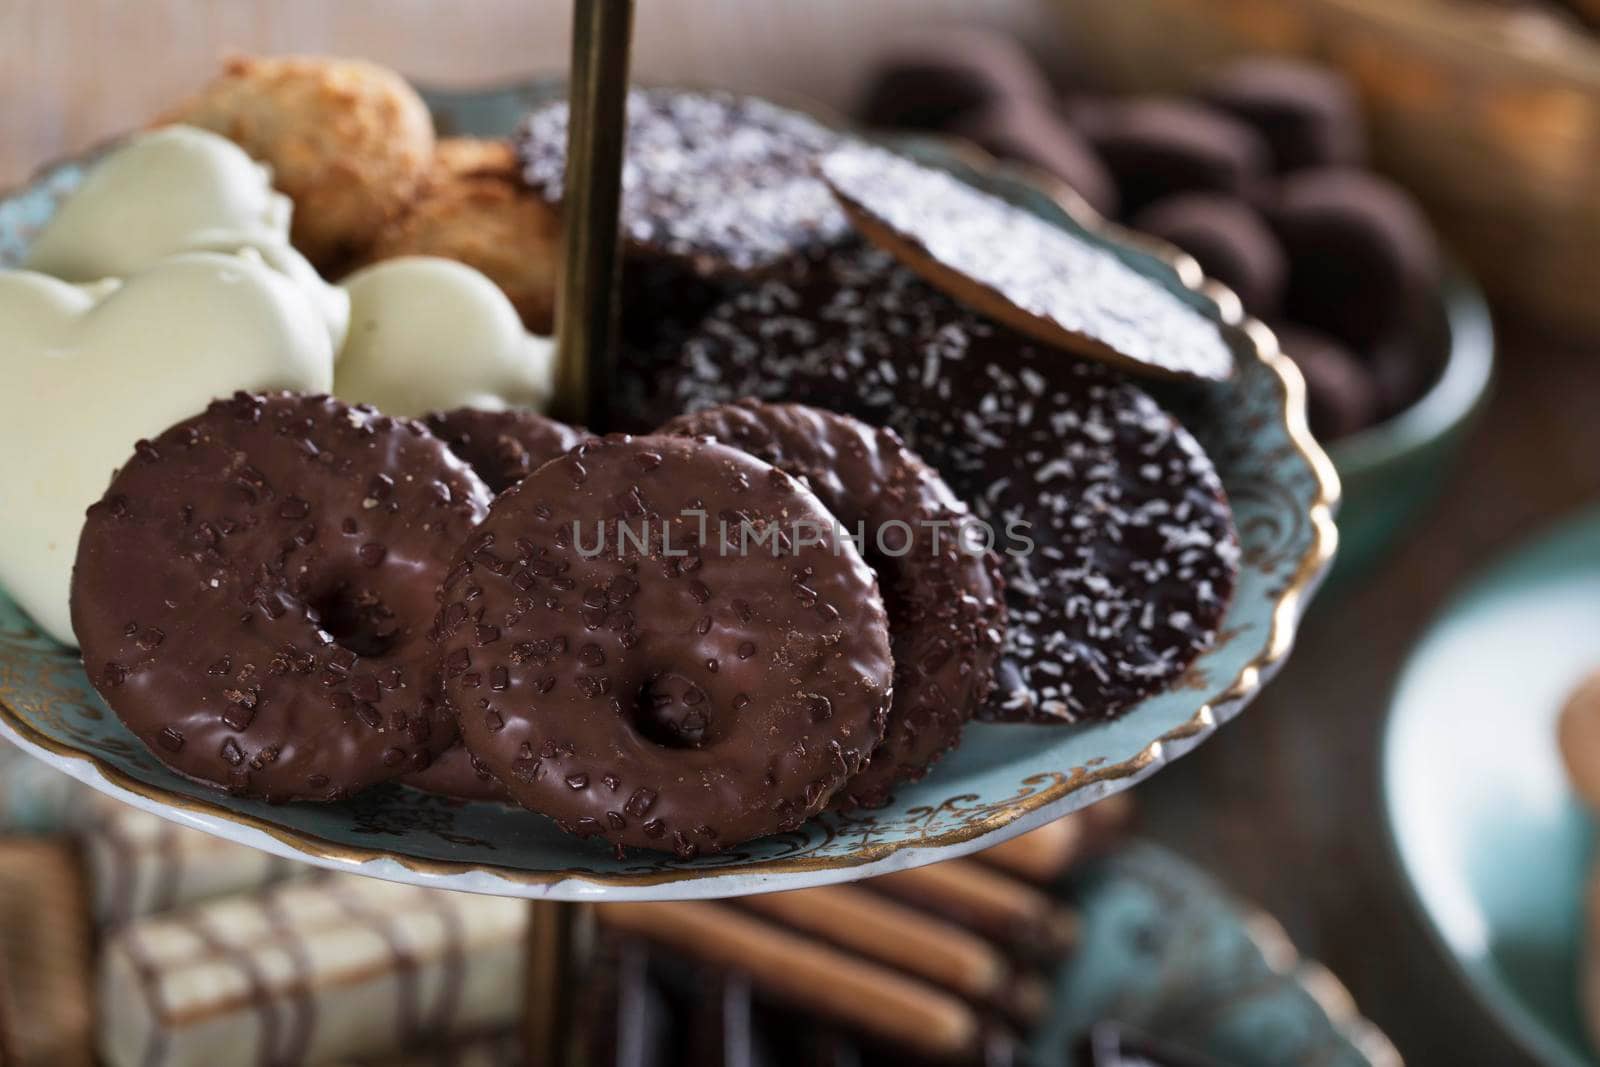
x: 946, y: 613
x: 719, y: 183
x: 458, y: 775
x: 502, y: 447
x: 1133, y: 557
x: 1031, y: 132
x: 1229, y: 239
x: 664, y: 643
x: 929, y: 79
x: 1040, y: 279
x: 253, y: 593
x: 1362, y: 259
x: 1341, y: 393
x: 1307, y: 113
x: 1156, y: 146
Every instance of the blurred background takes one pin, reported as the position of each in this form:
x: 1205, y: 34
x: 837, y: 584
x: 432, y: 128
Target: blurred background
x: 1484, y: 114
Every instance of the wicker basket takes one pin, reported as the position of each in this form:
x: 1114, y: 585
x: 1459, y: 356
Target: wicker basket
x: 1492, y: 119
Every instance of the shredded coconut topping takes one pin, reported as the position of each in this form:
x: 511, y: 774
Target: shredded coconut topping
x: 725, y: 181
x: 1134, y: 557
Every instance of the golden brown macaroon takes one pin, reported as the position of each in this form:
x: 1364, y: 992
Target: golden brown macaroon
x: 467, y: 157
x: 473, y: 208
x: 349, y: 141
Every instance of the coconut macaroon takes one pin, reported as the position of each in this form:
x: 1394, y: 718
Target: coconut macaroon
x: 473, y: 208
x: 349, y: 141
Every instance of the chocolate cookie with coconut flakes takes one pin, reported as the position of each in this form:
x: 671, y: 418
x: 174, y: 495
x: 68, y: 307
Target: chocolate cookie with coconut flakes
x: 1116, y: 539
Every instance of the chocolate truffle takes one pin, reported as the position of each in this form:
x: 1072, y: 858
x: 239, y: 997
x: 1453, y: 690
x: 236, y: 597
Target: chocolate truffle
x: 1031, y: 132
x: 1308, y: 114
x: 1158, y: 146
x: 1362, y: 258
x: 1229, y: 239
x: 1341, y: 392
x: 929, y: 79
x: 1404, y: 364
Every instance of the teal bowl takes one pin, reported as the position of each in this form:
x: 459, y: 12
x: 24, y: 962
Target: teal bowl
x: 1488, y: 834
x: 1391, y: 471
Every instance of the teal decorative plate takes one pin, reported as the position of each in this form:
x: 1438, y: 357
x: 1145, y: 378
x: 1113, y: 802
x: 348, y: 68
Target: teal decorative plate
x: 1168, y: 952
x: 1003, y: 780
x: 1492, y: 839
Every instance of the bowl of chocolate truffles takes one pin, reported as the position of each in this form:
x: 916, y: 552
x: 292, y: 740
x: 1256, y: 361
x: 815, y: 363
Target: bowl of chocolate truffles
x: 1258, y: 174
x: 928, y: 511
x: 1486, y: 109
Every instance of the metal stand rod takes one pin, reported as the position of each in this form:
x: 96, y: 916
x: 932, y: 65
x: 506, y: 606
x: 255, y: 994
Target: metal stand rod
x: 586, y: 320
x: 586, y: 311
x: 558, y: 933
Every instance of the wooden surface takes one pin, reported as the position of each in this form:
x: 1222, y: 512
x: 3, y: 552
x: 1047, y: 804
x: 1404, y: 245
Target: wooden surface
x: 1284, y: 804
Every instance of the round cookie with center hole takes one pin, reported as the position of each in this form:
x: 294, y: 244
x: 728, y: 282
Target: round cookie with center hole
x: 665, y: 643
x: 253, y: 594
x: 502, y: 447
x: 941, y: 590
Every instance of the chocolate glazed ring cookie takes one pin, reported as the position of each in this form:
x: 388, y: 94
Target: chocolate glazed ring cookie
x: 458, y: 775
x: 502, y: 447
x: 253, y: 594
x: 663, y: 642
x: 1128, y: 561
x: 942, y: 592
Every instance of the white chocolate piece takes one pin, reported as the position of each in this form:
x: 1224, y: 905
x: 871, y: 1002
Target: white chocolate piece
x: 155, y: 196
x: 429, y: 334
x: 90, y: 370
x: 331, y: 302
x: 173, y: 190
x: 309, y: 972
x: 1578, y: 731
